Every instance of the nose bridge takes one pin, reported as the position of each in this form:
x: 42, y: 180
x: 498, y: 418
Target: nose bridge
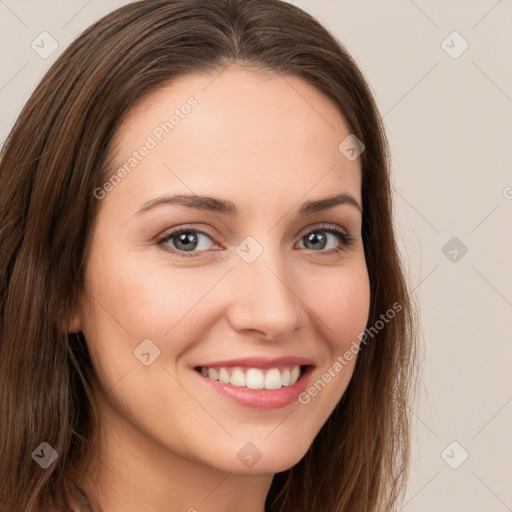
x: 263, y: 297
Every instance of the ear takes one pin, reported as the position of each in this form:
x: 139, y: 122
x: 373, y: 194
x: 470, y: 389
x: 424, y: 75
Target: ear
x: 74, y: 324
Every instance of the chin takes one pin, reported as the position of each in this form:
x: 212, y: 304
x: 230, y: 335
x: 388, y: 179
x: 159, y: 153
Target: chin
x: 271, y: 459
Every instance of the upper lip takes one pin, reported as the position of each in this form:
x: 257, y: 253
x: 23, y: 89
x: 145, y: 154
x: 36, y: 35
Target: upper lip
x: 260, y: 362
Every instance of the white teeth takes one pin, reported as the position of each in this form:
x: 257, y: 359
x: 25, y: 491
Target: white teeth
x: 273, y: 379
x: 224, y: 376
x: 294, y: 375
x: 286, y: 377
x: 254, y: 378
x: 237, y: 377
x: 212, y: 374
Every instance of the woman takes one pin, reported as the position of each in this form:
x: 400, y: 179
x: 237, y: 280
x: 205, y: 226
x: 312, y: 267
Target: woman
x: 203, y: 306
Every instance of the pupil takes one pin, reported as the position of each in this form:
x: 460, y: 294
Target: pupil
x: 314, y: 238
x: 187, y: 241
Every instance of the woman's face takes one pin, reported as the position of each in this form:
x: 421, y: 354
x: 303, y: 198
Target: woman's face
x: 267, y: 281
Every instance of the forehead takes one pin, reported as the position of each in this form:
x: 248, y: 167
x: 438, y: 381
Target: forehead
x: 249, y: 132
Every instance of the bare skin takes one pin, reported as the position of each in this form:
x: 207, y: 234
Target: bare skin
x: 268, y: 144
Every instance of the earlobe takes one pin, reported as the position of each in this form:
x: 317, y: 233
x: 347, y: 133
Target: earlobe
x: 74, y: 324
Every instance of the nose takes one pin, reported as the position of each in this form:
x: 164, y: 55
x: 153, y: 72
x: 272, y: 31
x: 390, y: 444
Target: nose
x: 263, y: 300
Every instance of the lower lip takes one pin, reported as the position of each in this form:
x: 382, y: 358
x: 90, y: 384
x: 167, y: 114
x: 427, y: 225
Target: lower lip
x: 259, y: 398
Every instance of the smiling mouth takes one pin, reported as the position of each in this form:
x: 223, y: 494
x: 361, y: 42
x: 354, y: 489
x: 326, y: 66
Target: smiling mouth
x: 255, y: 378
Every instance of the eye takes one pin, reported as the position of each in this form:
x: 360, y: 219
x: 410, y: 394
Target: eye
x: 318, y: 239
x: 186, y: 240
x: 190, y: 242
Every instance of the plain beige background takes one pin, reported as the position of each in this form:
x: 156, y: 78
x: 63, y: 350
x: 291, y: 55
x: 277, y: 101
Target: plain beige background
x: 448, y: 113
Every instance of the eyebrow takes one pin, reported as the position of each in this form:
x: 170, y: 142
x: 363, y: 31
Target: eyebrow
x: 229, y: 208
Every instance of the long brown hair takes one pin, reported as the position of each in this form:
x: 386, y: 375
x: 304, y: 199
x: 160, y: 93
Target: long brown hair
x: 59, y: 151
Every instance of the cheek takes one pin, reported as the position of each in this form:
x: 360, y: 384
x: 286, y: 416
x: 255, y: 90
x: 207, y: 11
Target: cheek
x: 151, y: 300
x: 342, y: 305
x: 171, y: 305
x: 133, y: 300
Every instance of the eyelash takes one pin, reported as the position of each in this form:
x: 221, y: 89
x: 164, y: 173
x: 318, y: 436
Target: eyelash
x: 344, y: 238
